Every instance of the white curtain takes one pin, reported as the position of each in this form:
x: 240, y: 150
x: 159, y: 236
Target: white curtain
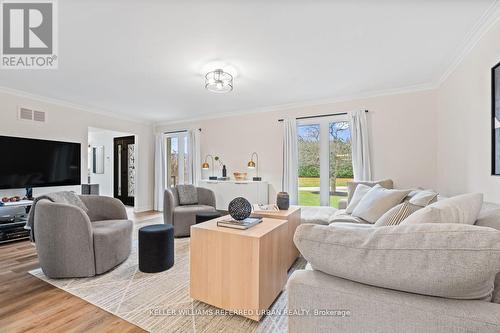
x: 290, y: 160
x: 160, y: 171
x: 194, y: 156
x: 361, y: 160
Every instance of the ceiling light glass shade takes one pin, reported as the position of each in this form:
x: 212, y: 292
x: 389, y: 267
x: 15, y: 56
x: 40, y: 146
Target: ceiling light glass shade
x: 219, y: 81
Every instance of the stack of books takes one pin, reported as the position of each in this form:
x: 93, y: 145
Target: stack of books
x: 243, y: 224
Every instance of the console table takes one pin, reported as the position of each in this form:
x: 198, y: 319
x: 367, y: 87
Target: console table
x: 226, y: 190
x: 15, y: 229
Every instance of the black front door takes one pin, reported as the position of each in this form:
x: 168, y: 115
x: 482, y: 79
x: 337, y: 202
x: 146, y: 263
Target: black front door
x: 124, y: 169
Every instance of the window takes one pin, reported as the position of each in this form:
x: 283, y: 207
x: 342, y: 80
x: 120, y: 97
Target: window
x: 325, y: 163
x: 177, y: 159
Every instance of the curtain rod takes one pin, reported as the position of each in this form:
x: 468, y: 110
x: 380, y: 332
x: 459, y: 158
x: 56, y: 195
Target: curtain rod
x: 322, y: 115
x: 181, y: 131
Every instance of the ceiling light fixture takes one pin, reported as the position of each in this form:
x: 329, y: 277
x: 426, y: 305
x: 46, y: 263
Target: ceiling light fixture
x: 219, y: 81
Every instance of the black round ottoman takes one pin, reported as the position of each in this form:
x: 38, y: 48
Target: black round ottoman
x: 206, y: 216
x: 156, y: 248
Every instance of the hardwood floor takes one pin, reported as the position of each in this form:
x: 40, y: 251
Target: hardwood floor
x: 28, y: 304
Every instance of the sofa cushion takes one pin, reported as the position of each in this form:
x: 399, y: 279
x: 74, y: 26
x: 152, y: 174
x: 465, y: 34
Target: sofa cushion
x: 489, y: 216
x: 447, y: 260
x: 341, y: 215
x: 351, y: 186
x: 188, y: 194
x: 397, y: 214
x: 359, y: 193
x: 112, y: 243
x: 316, y: 215
x: 463, y: 208
x: 377, y: 202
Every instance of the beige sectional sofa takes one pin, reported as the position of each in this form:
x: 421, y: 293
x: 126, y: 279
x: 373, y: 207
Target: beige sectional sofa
x: 430, y: 277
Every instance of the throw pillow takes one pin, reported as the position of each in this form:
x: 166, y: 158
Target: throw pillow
x: 188, y: 194
x: 377, y: 202
x: 397, y: 214
x: 351, y: 186
x: 423, y: 198
x: 447, y: 260
x: 460, y: 209
x: 359, y: 193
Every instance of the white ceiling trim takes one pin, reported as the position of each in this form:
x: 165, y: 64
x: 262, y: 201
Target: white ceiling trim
x: 490, y: 17
x: 63, y: 103
x: 283, y: 107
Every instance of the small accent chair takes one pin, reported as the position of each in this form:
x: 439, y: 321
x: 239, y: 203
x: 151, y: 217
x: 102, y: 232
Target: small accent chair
x: 71, y: 243
x: 182, y: 203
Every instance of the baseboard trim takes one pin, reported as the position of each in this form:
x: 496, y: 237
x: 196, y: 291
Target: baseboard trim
x: 143, y: 209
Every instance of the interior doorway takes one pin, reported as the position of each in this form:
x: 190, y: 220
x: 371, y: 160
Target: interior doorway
x: 124, y: 169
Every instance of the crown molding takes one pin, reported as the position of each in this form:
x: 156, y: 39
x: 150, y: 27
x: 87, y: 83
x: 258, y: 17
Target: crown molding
x: 288, y: 106
x: 489, y: 18
x: 63, y: 103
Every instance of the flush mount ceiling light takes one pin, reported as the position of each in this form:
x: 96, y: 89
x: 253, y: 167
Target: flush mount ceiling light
x: 219, y: 81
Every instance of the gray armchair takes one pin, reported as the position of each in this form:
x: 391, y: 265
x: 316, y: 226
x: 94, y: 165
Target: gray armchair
x: 182, y: 217
x: 71, y: 243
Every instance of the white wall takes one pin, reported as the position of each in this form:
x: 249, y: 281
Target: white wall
x: 99, y: 137
x: 464, y: 123
x: 403, y: 133
x: 70, y: 124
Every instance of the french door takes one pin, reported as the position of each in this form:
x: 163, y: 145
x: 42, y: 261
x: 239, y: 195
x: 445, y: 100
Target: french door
x: 177, y: 159
x: 124, y: 169
x: 325, y: 163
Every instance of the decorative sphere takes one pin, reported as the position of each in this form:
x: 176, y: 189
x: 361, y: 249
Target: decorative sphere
x: 239, y: 208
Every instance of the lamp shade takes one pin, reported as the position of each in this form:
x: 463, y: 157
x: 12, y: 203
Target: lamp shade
x: 251, y: 165
x: 205, y: 166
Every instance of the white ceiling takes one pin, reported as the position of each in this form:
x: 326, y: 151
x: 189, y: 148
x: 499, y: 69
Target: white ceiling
x: 147, y: 59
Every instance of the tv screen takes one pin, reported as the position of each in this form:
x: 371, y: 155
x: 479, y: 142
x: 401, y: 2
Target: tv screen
x: 37, y: 163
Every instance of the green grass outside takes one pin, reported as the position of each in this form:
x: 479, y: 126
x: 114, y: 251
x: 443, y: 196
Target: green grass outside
x: 307, y: 198
x: 314, y: 181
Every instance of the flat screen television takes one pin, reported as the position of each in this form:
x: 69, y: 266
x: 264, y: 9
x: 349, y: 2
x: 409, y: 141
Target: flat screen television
x: 26, y: 163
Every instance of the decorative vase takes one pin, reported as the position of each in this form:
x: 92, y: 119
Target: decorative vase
x: 283, y: 200
x: 239, y: 208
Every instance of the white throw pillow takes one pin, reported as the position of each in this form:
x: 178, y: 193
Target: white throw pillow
x: 377, y: 202
x: 359, y: 193
x: 423, y: 198
x: 460, y: 209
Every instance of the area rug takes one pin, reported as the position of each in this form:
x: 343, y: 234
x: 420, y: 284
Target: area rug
x: 160, y: 302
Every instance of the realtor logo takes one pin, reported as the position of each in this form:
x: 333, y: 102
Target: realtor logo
x: 29, y: 34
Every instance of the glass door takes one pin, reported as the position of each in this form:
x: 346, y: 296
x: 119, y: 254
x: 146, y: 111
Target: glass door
x: 124, y: 169
x: 177, y: 159
x: 340, y: 163
x: 309, y: 164
x: 325, y: 164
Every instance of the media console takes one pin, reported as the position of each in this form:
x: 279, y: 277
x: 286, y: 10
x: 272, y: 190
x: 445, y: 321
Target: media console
x: 12, y: 226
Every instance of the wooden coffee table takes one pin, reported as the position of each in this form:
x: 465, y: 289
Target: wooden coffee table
x: 292, y: 215
x: 239, y: 270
